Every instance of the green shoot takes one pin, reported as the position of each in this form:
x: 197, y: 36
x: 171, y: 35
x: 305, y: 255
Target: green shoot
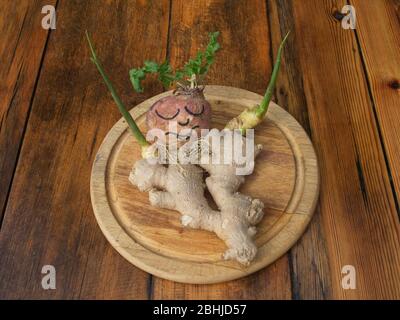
x: 263, y: 107
x: 200, y: 65
x: 194, y: 68
x: 163, y: 70
x: 251, y: 117
x: 125, y: 113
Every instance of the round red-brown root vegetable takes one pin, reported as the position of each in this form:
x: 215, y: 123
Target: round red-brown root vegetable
x: 180, y: 114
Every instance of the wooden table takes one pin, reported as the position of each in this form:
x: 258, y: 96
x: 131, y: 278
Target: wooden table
x: 342, y: 85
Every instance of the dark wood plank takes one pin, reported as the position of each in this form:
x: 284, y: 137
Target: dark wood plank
x: 22, y: 42
x: 380, y: 43
x: 49, y: 219
x: 243, y: 62
x: 270, y: 283
x: 357, y: 215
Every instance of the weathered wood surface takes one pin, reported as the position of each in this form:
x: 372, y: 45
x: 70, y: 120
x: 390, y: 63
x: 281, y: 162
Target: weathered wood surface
x: 379, y: 40
x: 341, y: 85
x: 22, y: 45
x: 357, y: 221
x: 49, y: 218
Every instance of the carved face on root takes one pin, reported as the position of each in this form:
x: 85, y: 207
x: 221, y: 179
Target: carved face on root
x: 179, y: 116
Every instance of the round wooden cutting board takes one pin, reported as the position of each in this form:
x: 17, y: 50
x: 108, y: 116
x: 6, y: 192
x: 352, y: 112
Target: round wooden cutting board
x: 285, y: 179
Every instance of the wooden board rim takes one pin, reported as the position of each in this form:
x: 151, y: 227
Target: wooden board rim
x: 300, y: 207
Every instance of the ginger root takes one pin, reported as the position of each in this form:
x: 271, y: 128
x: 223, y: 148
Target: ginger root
x: 239, y: 213
x: 176, y: 187
x: 181, y: 187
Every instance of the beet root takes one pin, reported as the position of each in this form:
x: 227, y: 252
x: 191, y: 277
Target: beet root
x: 180, y: 115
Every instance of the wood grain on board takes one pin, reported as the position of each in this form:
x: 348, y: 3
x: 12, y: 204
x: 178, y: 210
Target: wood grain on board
x: 357, y: 215
x: 377, y: 36
x: 22, y: 45
x: 49, y: 218
x: 243, y: 62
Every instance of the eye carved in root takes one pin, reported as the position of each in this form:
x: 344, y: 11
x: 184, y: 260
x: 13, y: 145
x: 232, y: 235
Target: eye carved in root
x: 196, y: 114
x: 167, y: 118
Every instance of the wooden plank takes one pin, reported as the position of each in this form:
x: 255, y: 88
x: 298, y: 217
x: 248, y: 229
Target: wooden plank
x: 49, y: 218
x: 357, y: 210
x: 290, y: 95
x: 22, y: 42
x: 243, y: 62
x: 380, y: 43
x: 270, y: 283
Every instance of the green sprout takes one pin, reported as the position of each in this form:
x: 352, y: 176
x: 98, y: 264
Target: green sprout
x: 263, y: 107
x: 125, y: 113
x: 251, y: 117
x: 194, y: 69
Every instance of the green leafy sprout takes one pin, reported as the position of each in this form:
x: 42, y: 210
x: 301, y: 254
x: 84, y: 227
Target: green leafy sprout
x: 192, y: 71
